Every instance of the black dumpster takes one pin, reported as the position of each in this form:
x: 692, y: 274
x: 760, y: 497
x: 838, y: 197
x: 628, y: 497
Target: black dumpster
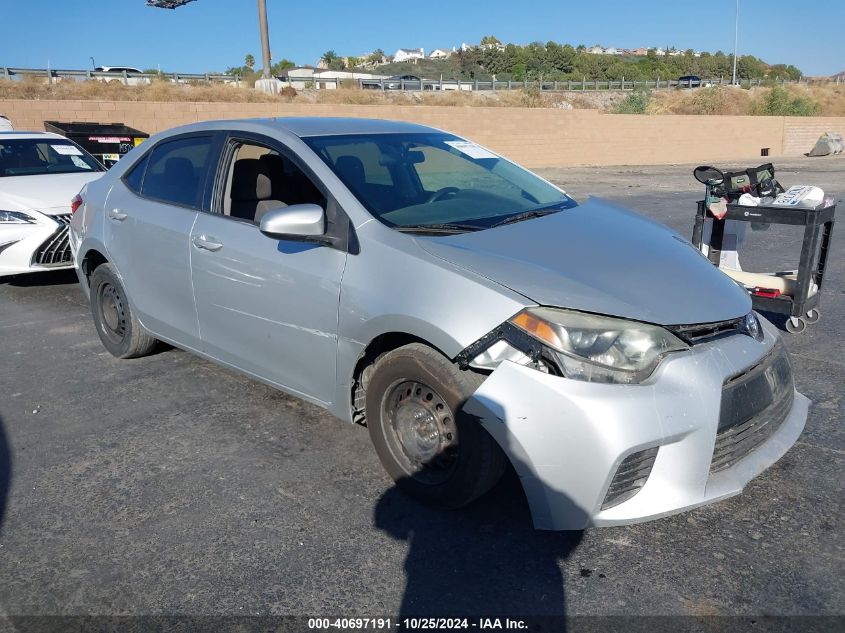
x: 108, y: 142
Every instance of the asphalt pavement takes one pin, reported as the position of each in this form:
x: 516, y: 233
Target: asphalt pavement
x: 169, y: 485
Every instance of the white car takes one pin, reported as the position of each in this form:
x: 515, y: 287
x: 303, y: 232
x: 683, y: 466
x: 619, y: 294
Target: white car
x: 129, y: 75
x: 40, y: 173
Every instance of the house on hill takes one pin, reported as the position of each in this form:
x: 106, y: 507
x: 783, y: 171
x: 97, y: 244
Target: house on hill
x: 441, y: 53
x: 409, y: 55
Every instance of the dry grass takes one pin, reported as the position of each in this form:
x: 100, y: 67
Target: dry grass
x: 824, y: 99
x: 32, y: 88
x: 349, y: 93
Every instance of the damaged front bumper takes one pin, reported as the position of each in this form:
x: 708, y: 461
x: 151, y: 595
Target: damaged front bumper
x: 568, y: 439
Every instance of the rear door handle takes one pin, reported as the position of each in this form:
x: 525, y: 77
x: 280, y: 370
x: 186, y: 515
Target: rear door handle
x: 117, y: 214
x: 207, y: 243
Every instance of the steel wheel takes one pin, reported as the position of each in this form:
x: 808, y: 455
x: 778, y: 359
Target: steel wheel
x: 112, y: 312
x: 422, y: 436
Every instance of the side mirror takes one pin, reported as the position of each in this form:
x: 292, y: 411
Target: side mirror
x: 708, y: 175
x: 295, y: 221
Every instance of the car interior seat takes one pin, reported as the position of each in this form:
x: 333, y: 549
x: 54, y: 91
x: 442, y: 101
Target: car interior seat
x: 351, y: 171
x: 252, y: 190
x: 288, y: 182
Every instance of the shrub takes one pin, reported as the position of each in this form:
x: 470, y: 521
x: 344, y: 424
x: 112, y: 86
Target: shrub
x: 288, y: 92
x: 779, y: 102
x: 531, y: 97
x: 635, y: 103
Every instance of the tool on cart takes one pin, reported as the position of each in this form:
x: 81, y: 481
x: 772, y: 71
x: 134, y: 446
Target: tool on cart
x: 734, y: 199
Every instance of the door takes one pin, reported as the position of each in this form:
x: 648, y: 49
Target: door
x: 149, y: 216
x: 266, y: 306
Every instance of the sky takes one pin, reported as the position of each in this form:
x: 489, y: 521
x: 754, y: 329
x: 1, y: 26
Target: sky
x: 212, y: 35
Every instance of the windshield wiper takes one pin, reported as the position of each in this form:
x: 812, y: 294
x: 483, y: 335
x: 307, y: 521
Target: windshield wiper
x: 438, y: 228
x: 527, y: 215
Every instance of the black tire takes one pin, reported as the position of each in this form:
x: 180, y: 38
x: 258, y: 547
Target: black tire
x: 117, y: 327
x: 431, y: 449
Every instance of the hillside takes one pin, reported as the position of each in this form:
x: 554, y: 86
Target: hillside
x: 552, y: 61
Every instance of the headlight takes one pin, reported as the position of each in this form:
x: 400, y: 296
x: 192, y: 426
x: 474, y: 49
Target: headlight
x: 598, y: 348
x: 15, y: 217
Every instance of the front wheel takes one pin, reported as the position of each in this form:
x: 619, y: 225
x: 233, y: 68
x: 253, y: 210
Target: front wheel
x: 427, y: 444
x: 119, y: 329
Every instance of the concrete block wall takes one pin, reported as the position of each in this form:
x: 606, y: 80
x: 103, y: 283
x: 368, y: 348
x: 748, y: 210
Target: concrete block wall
x: 801, y: 133
x: 535, y: 137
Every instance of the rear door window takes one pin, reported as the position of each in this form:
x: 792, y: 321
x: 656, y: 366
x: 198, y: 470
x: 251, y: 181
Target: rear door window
x: 176, y: 171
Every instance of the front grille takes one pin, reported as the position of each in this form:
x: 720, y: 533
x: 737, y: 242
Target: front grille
x: 754, y: 406
x: 56, y: 249
x: 703, y: 332
x: 630, y: 477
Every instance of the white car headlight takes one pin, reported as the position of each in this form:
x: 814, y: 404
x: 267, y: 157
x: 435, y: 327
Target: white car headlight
x: 597, y: 348
x: 15, y: 217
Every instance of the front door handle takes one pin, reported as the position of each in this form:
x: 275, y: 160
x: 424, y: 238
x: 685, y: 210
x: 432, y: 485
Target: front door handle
x: 207, y: 243
x: 117, y: 214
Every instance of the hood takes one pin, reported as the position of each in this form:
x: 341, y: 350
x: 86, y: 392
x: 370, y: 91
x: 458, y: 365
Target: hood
x: 51, y: 193
x: 599, y: 258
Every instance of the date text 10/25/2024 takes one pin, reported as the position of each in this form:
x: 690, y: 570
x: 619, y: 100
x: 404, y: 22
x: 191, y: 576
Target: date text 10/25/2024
x: 416, y: 624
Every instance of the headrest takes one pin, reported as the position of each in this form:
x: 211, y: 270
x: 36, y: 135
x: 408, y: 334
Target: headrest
x: 351, y: 169
x: 250, y: 180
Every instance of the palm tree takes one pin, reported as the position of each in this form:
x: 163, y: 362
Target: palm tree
x: 249, y: 60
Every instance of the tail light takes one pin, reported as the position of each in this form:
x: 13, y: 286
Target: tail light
x: 75, y: 203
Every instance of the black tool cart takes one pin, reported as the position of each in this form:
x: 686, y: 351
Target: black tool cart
x: 108, y: 142
x: 801, y: 304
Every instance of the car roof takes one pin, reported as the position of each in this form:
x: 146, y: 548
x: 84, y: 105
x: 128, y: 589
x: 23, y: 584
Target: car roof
x: 22, y: 134
x: 304, y: 127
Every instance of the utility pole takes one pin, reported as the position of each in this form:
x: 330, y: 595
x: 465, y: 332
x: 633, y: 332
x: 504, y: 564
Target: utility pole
x: 736, y: 40
x: 265, y: 37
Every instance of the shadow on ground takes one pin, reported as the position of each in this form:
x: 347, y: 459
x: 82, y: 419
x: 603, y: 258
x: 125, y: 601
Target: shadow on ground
x: 483, y: 560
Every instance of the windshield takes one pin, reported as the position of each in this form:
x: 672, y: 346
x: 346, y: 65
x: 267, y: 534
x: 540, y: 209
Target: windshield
x: 35, y: 157
x: 435, y: 181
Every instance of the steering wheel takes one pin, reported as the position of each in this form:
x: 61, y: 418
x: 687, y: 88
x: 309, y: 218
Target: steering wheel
x: 442, y: 193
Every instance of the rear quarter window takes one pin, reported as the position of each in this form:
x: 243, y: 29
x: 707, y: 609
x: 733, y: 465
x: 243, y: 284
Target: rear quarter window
x: 135, y: 176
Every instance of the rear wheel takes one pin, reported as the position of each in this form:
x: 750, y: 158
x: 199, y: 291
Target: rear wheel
x: 433, y: 450
x: 117, y: 327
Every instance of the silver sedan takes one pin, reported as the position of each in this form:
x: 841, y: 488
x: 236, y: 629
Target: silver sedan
x: 468, y: 312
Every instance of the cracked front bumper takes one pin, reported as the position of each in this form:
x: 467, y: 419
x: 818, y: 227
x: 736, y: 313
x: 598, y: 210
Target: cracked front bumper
x: 567, y: 438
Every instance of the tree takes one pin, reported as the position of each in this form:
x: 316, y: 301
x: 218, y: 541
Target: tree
x: 352, y: 61
x: 249, y: 60
x: 329, y: 57
x: 376, y: 57
x: 490, y: 40
x: 280, y: 66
